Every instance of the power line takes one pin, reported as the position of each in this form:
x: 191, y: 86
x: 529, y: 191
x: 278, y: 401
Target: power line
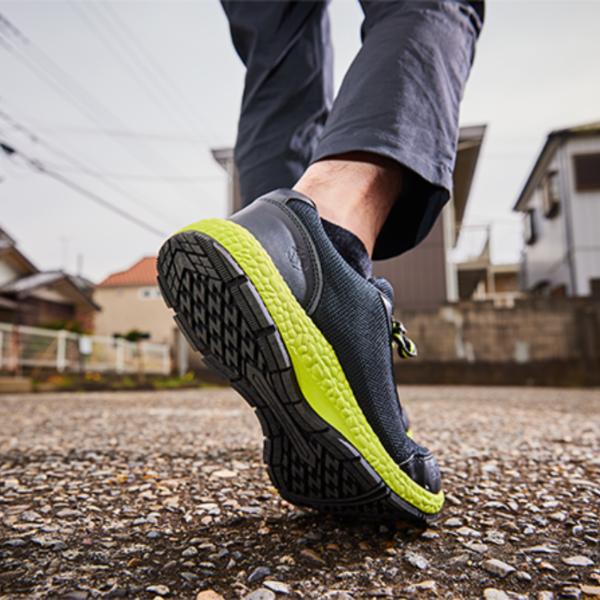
x: 126, y: 59
x: 103, y: 179
x: 41, y: 168
x: 170, y: 87
x: 73, y: 97
x: 133, y: 176
x: 163, y: 137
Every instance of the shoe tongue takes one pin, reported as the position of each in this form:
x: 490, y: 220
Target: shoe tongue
x: 384, y: 286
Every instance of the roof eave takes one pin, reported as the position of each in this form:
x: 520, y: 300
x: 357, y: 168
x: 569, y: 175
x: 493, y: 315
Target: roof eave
x: 553, y: 141
x: 469, y: 147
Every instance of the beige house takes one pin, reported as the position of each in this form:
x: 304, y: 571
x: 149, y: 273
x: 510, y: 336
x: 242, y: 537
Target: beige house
x: 131, y: 300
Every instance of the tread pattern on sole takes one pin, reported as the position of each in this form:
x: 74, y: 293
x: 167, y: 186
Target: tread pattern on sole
x: 222, y: 316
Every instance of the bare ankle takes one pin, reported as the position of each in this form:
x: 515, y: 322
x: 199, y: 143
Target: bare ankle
x: 355, y: 191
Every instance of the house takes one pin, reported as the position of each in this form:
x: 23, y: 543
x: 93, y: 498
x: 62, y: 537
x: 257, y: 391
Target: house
x: 31, y: 297
x: 480, y: 280
x: 425, y: 277
x: 131, y: 300
x: 560, y: 203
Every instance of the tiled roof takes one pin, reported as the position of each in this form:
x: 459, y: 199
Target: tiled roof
x: 142, y: 273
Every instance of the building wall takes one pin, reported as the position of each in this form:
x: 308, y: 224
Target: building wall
x: 38, y: 311
x: 418, y: 276
x: 124, y: 309
x: 8, y: 273
x: 547, y: 258
x: 585, y: 217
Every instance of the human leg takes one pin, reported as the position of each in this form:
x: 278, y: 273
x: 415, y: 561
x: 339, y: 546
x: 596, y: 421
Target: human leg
x: 400, y: 99
x: 286, y: 47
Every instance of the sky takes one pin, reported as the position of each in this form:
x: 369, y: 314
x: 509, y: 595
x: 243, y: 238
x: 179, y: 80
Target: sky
x: 124, y: 100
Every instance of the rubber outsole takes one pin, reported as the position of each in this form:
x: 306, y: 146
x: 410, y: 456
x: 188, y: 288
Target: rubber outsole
x: 222, y: 315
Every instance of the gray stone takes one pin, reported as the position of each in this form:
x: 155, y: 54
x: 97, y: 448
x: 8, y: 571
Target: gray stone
x: 15, y: 542
x: 313, y: 557
x: 453, y: 522
x: 337, y: 595
x: 258, y: 574
x: 153, y: 534
x: 545, y: 595
x: 577, y: 561
x: 541, y: 549
x: 115, y: 592
x: 161, y: 590
x: 476, y: 547
x: 189, y: 552
x: 31, y: 516
x: 277, y: 586
x: 68, y: 513
x: 468, y: 532
x: 260, y: 594
x: 497, y: 567
x: 416, y: 560
x: 493, y: 594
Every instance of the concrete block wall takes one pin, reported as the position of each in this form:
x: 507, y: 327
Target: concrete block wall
x: 534, y: 330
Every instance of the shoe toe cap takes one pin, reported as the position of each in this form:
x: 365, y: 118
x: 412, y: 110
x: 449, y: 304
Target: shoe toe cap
x: 423, y: 469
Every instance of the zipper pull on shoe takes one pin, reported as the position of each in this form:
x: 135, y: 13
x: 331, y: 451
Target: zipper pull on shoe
x: 404, y: 345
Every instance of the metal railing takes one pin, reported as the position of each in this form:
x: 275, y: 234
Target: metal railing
x: 22, y: 346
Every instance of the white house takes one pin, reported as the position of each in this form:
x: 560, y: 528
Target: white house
x: 561, y: 206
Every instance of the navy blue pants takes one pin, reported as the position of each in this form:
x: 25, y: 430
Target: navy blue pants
x: 400, y: 98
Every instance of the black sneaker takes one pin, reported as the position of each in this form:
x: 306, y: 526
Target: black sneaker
x: 306, y: 340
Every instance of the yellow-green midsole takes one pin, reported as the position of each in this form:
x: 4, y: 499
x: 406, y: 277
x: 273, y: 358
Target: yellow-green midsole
x: 317, y: 369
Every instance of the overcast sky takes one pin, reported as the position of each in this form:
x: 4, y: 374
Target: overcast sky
x: 131, y: 96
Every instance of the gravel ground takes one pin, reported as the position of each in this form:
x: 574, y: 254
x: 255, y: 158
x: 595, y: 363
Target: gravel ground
x: 164, y: 495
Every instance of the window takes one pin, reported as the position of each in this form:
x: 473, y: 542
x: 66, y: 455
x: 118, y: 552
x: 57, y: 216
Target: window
x: 530, y: 232
x: 551, y: 195
x: 587, y: 172
x: 149, y: 293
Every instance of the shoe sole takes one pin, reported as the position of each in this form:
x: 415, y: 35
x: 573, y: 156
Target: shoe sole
x: 233, y: 307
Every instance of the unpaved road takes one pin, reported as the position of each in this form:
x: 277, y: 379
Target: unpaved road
x: 163, y: 494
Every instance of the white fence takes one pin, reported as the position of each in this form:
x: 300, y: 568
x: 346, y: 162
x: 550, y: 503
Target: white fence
x: 22, y: 346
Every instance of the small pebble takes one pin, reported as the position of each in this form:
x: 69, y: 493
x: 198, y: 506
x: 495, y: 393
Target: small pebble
x: 497, y: 567
x: 277, y: 586
x: 493, y: 594
x: 577, y: 561
x: 161, y: 590
x: 260, y: 594
x: 258, y: 574
x: 312, y: 557
x: 209, y: 595
x: 416, y: 560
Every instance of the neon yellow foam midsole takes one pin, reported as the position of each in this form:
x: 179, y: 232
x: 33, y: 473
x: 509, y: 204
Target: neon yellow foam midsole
x: 317, y: 369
